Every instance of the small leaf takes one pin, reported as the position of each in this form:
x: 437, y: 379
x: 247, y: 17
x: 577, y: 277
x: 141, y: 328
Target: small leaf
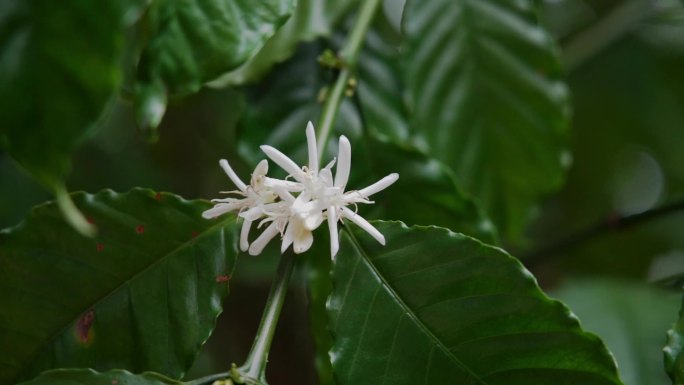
x: 193, y: 42
x: 435, y: 307
x: 142, y: 295
x: 91, y: 377
x: 486, y: 91
x: 59, y: 67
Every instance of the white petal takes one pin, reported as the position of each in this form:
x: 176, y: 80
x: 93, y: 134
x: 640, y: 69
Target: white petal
x: 288, y: 238
x: 258, y: 245
x: 303, y: 239
x: 232, y: 175
x: 325, y: 176
x: 379, y: 185
x: 252, y: 214
x: 244, y: 235
x: 313, y: 219
x: 259, y: 172
x: 332, y: 227
x: 313, y: 151
x: 284, y: 162
x: 284, y: 194
x: 362, y: 223
x: 285, y: 184
x: 217, y: 210
x: 343, y: 163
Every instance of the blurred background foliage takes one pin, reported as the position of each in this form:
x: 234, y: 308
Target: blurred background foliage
x: 624, y: 63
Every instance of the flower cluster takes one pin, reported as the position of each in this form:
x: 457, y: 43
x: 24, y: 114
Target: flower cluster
x: 295, y: 207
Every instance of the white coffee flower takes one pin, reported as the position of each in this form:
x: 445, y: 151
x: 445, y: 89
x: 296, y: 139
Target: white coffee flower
x: 294, y: 209
x: 324, y: 197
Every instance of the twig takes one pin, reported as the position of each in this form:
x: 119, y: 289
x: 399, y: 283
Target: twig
x: 612, y: 223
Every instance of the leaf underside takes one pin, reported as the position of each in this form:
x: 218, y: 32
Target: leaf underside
x: 435, y: 307
x: 91, y: 377
x: 142, y: 295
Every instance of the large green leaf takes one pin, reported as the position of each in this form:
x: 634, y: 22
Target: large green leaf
x: 91, y: 377
x: 193, y: 42
x: 143, y: 295
x: 485, y: 89
x: 630, y: 317
x: 435, y: 307
x: 59, y: 66
x: 674, y: 350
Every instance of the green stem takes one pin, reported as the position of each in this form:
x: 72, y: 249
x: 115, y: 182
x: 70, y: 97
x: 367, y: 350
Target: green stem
x: 254, y: 368
x: 209, y: 379
x: 349, y: 55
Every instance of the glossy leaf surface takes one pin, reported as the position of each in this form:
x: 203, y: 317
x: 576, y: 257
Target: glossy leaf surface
x: 485, y: 88
x: 311, y: 19
x: 435, y: 307
x: 59, y: 67
x: 143, y: 295
x: 193, y: 42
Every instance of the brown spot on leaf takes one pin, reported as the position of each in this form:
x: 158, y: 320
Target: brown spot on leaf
x: 194, y: 234
x: 90, y: 220
x: 100, y: 247
x: 222, y: 278
x: 140, y: 229
x: 158, y: 196
x: 84, y: 327
x: 115, y: 382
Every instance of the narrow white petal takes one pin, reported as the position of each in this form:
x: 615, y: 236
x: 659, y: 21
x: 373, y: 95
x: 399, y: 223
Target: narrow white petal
x: 313, y: 151
x: 379, y: 185
x: 252, y: 214
x: 362, y: 223
x: 343, y: 163
x: 217, y: 210
x: 284, y: 162
x: 258, y: 245
x: 288, y: 238
x: 332, y: 227
x: 284, y: 194
x: 286, y: 184
x: 244, y: 235
x: 232, y: 175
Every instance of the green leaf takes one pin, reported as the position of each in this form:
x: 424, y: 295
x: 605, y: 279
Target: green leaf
x: 485, y: 89
x: 91, y: 377
x: 59, y: 67
x: 674, y: 350
x: 143, y: 295
x: 311, y: 19
x: 435, y: 307
x: 193, y: 42
x: 630, y: 317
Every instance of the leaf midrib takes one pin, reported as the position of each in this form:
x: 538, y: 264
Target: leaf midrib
x: 407, y: 310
